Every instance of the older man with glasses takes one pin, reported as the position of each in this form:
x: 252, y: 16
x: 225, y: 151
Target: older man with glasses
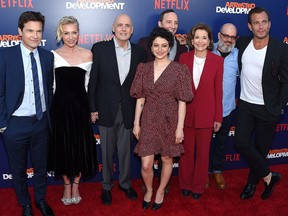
x: 225, y: 47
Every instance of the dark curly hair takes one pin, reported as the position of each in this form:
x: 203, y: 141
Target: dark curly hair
x: 200, y: 26
x: 163, y: 33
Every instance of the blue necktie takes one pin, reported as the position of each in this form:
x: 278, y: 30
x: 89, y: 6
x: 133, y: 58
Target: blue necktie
x: 38, y: 104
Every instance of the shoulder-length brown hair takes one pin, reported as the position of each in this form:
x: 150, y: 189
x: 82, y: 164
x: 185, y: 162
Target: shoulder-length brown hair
x: 201, y: 26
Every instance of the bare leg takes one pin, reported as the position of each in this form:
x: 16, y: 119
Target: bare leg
x: 66, y: 199
x: 147, y: 175
x: 67, y: 187
x: 167, y: 166
x: 76, y: 198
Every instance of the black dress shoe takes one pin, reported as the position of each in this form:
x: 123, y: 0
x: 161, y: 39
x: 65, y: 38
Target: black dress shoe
x: 276, y: 177
x: 156, y: 206
x: 106, y: 197
x: 27, y: 210
x: 130, y: 192
x: 186, y: 192
x: 45, y: 209
x: 146, y: 205
x: 196, y: 195
x: 248, y: 191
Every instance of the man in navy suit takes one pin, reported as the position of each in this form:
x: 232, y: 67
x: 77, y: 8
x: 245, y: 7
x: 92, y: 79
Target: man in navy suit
x: 114, y: 66
x: 25, y: 126
x: 263, y: 66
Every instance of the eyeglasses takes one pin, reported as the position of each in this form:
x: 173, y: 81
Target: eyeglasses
x: 233, y: 38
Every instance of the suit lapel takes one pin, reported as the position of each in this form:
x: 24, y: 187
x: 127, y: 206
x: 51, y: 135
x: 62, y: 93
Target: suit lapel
x: 268, y: 57
x: 21, y: 72
x: 113, y: 62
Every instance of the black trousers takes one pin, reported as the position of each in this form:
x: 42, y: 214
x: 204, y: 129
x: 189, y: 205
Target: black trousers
x: 218, y: 150
x: 23, y: 135
x: 255, y: 130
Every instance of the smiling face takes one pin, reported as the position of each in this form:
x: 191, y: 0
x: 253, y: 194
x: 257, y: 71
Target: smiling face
x: 122, y: 28
x: 160, y: 48
x: 70, y: 34
x: 31, y: 34
x: 260, y: 25
x: 201, y: 40
x: 169, y: 22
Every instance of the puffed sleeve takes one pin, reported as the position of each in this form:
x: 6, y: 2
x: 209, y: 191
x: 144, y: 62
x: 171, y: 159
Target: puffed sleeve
x: 184, y: 84
x: 136, y: 89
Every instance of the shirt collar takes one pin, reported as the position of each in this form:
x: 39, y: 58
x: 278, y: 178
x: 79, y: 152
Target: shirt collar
x: 118, y: 46
x: 27, y: 51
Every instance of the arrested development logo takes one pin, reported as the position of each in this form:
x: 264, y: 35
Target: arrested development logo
x: 30, y: 174
x: 95, y: 5
x: 172, y: 4
x: 277, y: 153
x: 235, y: 8
x: 9, y: 40
x: 16, y: 3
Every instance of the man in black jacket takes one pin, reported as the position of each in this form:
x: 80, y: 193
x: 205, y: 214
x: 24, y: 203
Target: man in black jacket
x: 114, y: 66
x: 263, y: 66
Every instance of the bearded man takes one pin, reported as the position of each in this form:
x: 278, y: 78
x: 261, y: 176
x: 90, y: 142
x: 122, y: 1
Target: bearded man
x: 225, y: 47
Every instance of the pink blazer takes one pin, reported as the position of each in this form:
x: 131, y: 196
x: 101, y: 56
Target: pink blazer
x: 206, y: 106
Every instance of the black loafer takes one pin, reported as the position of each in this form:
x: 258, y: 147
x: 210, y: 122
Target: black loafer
x: 129, y: 192
x: 196, y: 195
x: 276, y: 177
x: 27, y: 210
x: 45, y: 209
x: 186, y: 192
x: 106, y: 197
x: 248, y: 191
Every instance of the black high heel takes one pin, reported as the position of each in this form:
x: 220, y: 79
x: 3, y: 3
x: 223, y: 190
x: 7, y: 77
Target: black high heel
x: 156, y: 206
x: 146, y: 205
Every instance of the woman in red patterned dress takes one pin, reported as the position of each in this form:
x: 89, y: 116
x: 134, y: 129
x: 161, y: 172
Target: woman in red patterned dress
x: 162, y: 88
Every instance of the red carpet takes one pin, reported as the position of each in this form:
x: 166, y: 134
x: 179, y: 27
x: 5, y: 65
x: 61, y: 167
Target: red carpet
x: 213, y: 202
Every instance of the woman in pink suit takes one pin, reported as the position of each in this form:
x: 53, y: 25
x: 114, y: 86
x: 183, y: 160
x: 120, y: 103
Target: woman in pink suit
x: 204, y: 113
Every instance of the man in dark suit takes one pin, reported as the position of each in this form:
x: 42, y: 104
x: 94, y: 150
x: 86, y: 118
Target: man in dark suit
x: 168, y: 19
x: 114, y: 66
x: 26, y: 80
x: 263, y: 64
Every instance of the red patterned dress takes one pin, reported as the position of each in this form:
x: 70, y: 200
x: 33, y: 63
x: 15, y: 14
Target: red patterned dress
x: 160, y: 113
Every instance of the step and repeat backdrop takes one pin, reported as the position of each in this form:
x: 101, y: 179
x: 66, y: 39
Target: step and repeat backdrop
x: 96, y: 18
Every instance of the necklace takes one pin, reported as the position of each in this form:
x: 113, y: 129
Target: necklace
x: 199, y: 61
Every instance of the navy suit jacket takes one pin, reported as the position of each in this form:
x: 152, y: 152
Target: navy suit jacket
x: 12, y: 81
x: 105, y: 90
x: 274, y: 75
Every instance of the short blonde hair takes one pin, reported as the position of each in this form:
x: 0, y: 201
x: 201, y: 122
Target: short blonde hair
x: 64, y: 21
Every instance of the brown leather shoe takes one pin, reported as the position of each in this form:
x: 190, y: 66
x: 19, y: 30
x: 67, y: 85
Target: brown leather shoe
x: 207, y: 183
x: 219, y: 180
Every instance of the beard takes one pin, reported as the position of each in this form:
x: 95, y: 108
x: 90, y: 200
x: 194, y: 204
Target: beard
x: 224, y: 48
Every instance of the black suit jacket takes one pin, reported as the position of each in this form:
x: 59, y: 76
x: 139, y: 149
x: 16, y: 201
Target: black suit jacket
x: 144, y: 42
x: 105, y: 90
x: 275, y: 73
x: 12, y: 80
